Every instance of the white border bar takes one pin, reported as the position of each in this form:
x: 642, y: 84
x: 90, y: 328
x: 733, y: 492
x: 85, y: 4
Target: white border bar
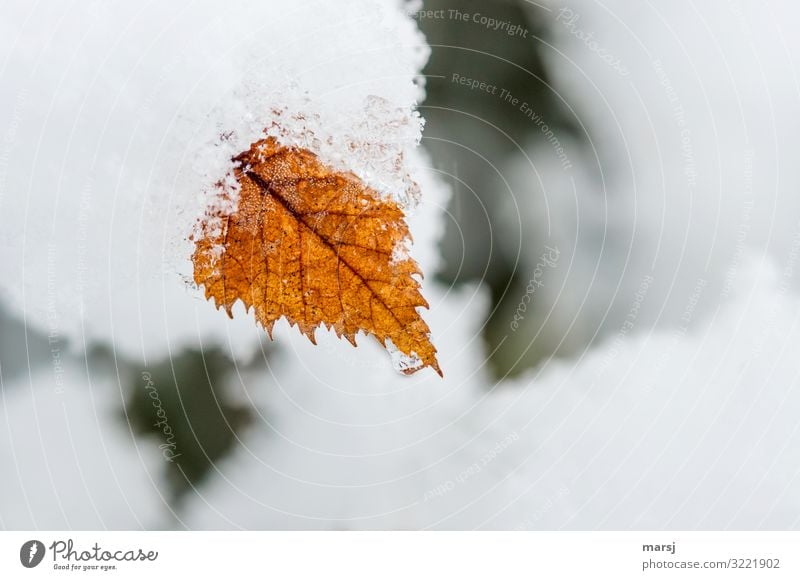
x: 409, y: 555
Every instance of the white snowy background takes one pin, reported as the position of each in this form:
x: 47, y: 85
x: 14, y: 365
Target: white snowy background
x: 683, y: 415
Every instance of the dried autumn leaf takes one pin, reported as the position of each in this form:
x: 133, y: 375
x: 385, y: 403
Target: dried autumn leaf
x: 318, y: 247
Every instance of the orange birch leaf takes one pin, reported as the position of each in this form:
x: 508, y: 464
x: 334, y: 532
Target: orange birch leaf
x: 318, y: 247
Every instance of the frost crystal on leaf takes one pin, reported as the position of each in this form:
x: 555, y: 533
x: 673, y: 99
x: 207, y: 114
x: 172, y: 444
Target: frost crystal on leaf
x: 402, y: 362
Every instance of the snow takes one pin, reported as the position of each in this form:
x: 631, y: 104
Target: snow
x: 69, y: 460
x: 689, y: 164
x: 123, y: 119
x: 400, y: 361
